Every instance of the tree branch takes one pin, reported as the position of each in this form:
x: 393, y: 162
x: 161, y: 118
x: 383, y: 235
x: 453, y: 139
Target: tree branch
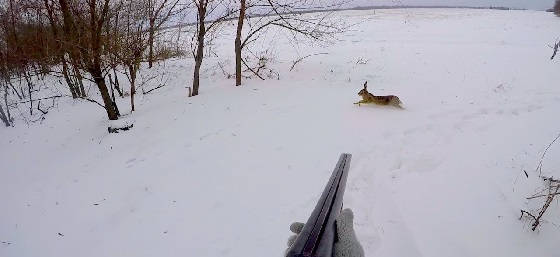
x: 251, y: 69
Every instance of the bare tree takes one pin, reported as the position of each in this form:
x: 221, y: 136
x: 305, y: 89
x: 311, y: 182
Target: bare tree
x: 133, y: 32
x: 71, y: 39
x: 129, y: 43
x: 98, y: 10
x: 556, y: 8
x: 84, y: 36
x: 159, y: 11
x: 75, y: 90
x: 286, y: 16
x: 204, y: 9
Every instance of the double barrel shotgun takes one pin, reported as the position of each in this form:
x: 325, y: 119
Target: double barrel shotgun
x: 318, y: 236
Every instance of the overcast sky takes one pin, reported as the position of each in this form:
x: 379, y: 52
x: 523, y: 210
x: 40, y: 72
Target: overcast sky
x: 528, y: 4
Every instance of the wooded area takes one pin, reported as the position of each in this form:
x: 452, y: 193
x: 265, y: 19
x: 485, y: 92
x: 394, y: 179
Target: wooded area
x: 92, y: 41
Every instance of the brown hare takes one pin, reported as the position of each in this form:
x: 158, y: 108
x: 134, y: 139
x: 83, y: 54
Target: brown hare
x: 369, y: 98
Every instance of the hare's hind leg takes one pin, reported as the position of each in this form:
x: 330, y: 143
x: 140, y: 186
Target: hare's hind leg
x: 397, y: 103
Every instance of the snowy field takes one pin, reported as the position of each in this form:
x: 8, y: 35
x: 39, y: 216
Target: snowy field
x: 226, y: 172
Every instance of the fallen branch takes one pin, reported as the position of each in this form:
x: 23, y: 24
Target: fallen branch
x: 116, y: 130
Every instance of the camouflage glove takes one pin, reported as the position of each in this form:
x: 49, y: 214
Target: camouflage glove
x: 347, y: 245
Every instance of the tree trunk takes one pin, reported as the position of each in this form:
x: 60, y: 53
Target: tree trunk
x: 10, y: 120
x: 81, y: 90
x: 60, y: 50
x: 13, y: 88
x: 557, y: 8
x: 69, y: 82
x: 94, y: 58
x: 112, y: 89
x: 3, y: 117
x: 196, y: 76
x: 110, y: 106
x: 132, y: 72
x: 29, y: 91
x: 238, y: 44
x: 151, y: 43
x: 199, y: 51
x: 70, y: 44
x: 117, y: 85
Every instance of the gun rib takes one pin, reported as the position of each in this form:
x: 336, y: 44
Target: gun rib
x: 319, y: 226
x: 318, y: 235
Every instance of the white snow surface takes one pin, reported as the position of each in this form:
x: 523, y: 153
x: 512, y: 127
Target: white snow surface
x: 226, y: 172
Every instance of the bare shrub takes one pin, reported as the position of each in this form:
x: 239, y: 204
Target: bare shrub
x: 548, y: 192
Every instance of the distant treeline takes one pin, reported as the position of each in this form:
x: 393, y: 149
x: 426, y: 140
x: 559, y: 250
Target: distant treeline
x: 370, y: 7
x: 427, y: 7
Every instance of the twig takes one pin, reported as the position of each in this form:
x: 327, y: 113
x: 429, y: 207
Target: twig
x: 537, y: 196
x: 22, y: 102
x: 362, y: 61
x: 228, y: 75
x: 553, y: 188
x: 545, y: 206
x: 57, y: 96
x: 92, y: 101
x: 251, y: 69
x: 551, y: 179
x: 555, y: 50
x: 539, y: 167
x: 528, y: 214
x: 39, y: 108
x: 302, y: 58
x: 160, y: 86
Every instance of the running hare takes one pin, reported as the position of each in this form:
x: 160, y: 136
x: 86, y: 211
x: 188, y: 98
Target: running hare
x: 369, y: 98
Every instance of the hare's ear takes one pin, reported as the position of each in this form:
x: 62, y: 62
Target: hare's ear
x: 365, y: 85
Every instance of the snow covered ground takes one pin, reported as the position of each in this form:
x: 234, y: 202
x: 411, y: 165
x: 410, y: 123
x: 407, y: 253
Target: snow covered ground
x: 226, y: 172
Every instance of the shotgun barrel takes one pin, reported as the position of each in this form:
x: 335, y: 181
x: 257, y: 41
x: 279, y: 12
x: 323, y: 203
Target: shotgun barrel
x: 319, y: 234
